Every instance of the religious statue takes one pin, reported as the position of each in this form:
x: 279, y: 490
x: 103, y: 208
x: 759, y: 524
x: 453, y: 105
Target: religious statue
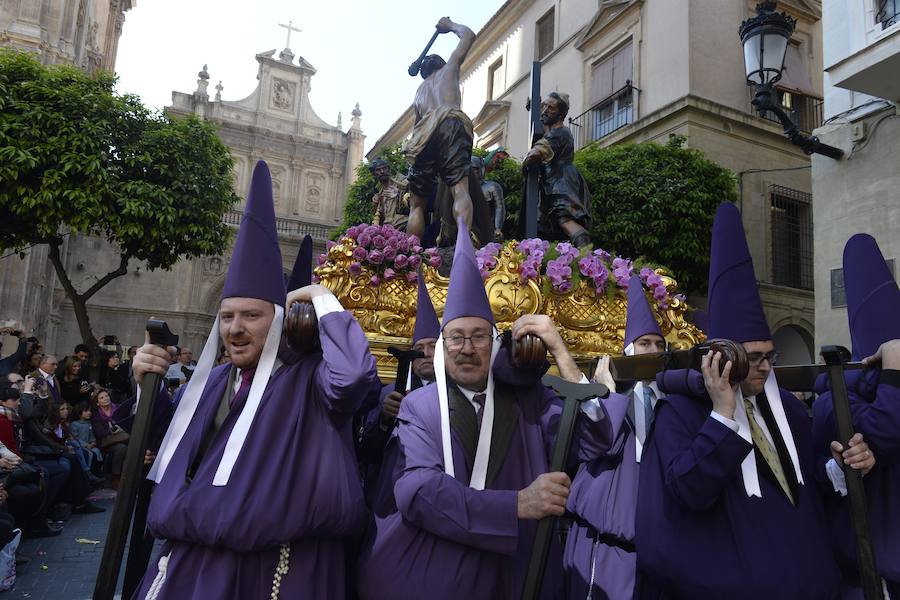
x: 390, y: 203
x: 565, y: 207
x: 493, y: 195
x: 440, y: 146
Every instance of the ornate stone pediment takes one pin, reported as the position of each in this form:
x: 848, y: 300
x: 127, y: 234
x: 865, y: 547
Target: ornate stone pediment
x: 608, y: 12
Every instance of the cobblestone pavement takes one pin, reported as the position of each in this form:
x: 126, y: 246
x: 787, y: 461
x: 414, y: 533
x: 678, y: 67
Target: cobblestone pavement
x: 62, y: 568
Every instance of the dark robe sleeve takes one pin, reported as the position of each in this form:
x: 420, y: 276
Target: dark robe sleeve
x: 698, y: 464
x: 347, y: 370
x: 429, y: 498
x: 163, y: 411
x: 9, y: 364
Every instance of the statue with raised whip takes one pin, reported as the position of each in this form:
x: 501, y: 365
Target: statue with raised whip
x: 565, y: 206
x: 390, y: 204
x: 440, y: 146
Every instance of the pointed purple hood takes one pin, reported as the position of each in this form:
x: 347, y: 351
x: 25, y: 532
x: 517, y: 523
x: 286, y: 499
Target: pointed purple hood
x: 255, y: 270
x: 301, y: 275
x: 873, y: 298
x: 735, y: 309
x: 639, y: 319
x: 427, y: 324
x: 466, y: 296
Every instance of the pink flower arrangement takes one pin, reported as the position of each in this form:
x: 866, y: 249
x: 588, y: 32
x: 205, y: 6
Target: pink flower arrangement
x: 386, y: 253
x: 487, y: 258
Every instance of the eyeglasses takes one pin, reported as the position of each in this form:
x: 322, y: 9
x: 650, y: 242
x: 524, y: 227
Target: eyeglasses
x: 424, y: 347
x: 755, y: 358
x: 479, y: 341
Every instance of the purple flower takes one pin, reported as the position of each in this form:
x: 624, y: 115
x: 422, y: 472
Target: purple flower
x: 414, y: 261
x: 321, y: 259
x: 364, y: 239
x: 374, y: 280
x: 390, y: 253
x: 660, y: 292
x: 360, y: 253
x: 416, y: 248
x: 352, y: 232
x: 372, y: 230
x: 412, y: 277
x: 401, y: 261
x: 354, y: 269
x: 602, y: 255
x: 389, y: 274
x: 654, y: 280
x: 434, y: 261
x: 565, y: 286
x: 378, y: 241
x: 376, y: 257
x: 329, y: 245
x: 646, y: 272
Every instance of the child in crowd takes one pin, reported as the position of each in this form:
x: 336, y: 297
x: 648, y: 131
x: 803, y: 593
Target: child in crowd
x: 82, y: 432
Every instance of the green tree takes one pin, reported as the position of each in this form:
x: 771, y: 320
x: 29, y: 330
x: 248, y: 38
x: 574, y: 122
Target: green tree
x: 77, y: 158
x: 358, y: 208
x: 656, y: 202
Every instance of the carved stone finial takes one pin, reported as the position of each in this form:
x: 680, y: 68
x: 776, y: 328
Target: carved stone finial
x: 339, y: 125
x: 219, y: 89
x: 203, y: 74
x: 356, y: 112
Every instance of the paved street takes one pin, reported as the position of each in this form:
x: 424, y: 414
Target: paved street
x: 61, y: 567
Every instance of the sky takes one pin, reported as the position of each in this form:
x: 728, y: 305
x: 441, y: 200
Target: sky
x: 360, y: 49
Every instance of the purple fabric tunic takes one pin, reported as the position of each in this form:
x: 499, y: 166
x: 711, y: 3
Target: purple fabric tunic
x: 699, y: 535
x: 876, y: 414
x: 449, y: 541
x: 295, y: 483
x: 604, y: 500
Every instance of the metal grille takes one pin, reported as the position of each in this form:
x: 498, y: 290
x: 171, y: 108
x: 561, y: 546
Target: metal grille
x: 605, y: 117
x: 888, y: 13
x: 805, y: 111
x: 792, y: 237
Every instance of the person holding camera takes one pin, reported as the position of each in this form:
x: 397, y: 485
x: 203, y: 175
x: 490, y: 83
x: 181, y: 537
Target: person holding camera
x: 74, y: 386
x: 11, y: 362
x: 112, y: 439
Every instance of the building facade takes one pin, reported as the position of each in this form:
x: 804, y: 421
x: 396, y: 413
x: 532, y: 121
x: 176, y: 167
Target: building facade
x: 642, y: 70
x: 861, y: 192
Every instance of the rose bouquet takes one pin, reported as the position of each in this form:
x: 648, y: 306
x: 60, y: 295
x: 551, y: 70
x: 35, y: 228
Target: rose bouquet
x: 387, y: 253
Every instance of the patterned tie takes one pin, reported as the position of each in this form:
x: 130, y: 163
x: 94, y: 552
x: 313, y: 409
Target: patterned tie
x: 479, y: 399
x: 766, y: 449
x: 648, y: 409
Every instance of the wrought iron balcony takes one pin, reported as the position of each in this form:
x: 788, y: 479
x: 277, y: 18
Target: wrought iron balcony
x: 285, y: 227
x: 887, y: 13
x: 804, y: 111
x: 606, y: 116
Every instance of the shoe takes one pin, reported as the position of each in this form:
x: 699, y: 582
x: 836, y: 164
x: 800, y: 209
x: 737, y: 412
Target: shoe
x: 45, y: 531
x: 88, y: 508
x: 60, y: 512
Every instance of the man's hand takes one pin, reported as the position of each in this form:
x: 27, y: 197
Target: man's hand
x: 545, y: 497
x: 306, y: 294
x: 544, y: 328
x: 857, y: 456
x: 603, y: 375
x: 391, y: 405
x: 719, y: 387
x: 888, y: 354
x: 444, y: 25
x: 151, y: 358
x: 28, y: 385
x: 149, y: 457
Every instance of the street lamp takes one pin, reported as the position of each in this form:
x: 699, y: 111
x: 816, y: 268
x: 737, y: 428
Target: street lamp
x: 765, y: 38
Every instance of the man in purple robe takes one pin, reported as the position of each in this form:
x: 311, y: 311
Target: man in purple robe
x: 257, y: 491
x: 599, y: 558
x: 872, y: 302
x: 377, y: 440
x: 729, y: 505
x: 471, y: 475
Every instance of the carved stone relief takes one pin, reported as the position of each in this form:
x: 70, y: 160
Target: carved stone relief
x: 314, y: 190
x: 282, y: 94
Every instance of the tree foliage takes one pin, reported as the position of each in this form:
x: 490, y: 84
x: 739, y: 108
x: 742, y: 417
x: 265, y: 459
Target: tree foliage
x: 75, y: 157
x: 657, y: 202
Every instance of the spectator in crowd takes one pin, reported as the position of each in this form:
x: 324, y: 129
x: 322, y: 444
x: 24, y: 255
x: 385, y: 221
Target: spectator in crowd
x: 28, y: 494
x: 58, y: 460
x: 113, y: 440
x: 82, y: 430
x: 32, y: 362
x: 74, y: 385
x: 11, y: 362
x: 129, y: 354
x: 115, y: 378
x: 46, y: 373
x: 82, y: 352
x: 60, y: 432
x: 224, y: 357
x: 183, y: 367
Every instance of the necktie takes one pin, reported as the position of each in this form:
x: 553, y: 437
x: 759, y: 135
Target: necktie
x: 766, y: 449
x: 648, y: 409
x: 246, y: 380
x: 479, y: 399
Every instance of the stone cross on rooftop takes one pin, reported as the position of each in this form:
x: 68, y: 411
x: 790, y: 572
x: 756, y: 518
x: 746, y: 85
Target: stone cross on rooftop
x: 290, y: 28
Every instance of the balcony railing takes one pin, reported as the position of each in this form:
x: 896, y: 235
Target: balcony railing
x: 791, y: 237
x: 887, y: 13
x: 605, y: 117
x: 805, y: 111
x: 286, y: 227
